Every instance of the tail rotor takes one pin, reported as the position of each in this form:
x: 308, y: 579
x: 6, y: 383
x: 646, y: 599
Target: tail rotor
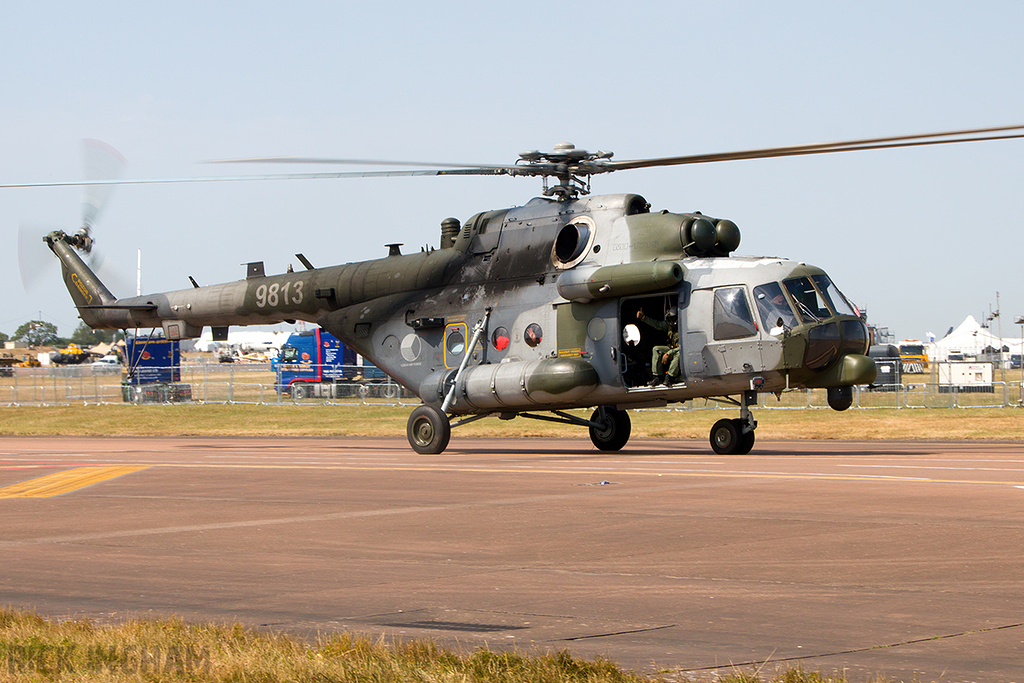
x: 101, y: 162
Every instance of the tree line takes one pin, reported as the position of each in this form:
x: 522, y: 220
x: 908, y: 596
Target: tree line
x: 42, y: 333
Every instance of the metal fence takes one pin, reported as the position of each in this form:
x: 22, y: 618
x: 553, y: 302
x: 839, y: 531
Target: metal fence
x: 218, y: 383
x: 200, y: 383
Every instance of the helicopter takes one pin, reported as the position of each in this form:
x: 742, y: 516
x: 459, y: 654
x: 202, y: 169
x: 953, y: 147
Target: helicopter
x: 570, y: 301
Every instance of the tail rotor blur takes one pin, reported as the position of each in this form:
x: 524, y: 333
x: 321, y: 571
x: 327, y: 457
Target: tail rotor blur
x: 101, y: 162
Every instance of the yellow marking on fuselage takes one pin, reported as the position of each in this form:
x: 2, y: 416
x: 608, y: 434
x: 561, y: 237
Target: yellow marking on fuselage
x: 81, y: 287
x: 63, y: 482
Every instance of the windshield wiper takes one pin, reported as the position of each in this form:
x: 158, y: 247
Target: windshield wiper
x: 803, y: 307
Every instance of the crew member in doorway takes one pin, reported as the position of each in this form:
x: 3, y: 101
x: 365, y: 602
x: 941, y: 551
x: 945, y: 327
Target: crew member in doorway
x: 664, y: 357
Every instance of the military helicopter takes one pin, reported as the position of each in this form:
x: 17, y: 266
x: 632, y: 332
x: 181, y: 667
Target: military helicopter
x: 570, y: 301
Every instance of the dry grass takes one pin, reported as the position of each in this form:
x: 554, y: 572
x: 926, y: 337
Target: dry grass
x: 171, y: 650
x: 325, y: 420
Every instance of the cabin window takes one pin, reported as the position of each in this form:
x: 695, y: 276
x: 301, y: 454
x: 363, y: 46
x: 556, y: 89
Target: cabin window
x: 456, y: 342
x: 289, y: 354
x: 776, y: 314
x: 732, y: 316
x: 533, y: 334
x: 500, y: 339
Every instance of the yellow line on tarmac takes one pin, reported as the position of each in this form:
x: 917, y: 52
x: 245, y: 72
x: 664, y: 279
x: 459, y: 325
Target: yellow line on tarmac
x: 63, y: 482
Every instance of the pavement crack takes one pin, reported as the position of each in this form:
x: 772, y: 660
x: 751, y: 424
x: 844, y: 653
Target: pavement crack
x: 837, y: 653
x: 614, y: 633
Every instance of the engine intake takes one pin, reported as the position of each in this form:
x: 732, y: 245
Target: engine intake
x: 706, y: 236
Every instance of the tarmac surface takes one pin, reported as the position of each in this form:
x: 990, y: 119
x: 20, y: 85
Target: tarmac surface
x: 901, y: 559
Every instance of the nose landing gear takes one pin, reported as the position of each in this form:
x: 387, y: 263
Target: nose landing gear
x: 736, y: 436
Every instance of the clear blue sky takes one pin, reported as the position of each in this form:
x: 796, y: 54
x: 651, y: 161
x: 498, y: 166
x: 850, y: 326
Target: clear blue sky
x: 921, y: 238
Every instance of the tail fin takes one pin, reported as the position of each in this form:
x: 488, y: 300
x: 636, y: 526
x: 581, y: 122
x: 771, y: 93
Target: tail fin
x: 89, y: 294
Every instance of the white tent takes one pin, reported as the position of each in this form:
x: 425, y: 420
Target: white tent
x: 970, y: 339
x: 245, y: 340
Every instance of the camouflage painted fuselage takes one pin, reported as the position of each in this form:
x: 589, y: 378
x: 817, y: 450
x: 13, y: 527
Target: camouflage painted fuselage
x: 557, y: 282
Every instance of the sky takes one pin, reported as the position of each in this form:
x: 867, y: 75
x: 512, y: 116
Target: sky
x: 921, y: 238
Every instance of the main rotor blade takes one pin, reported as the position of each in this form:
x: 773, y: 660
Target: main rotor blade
x: 276, y: 176
x: 350, y: 162
x: 549, y: 167
x: 918, y: 140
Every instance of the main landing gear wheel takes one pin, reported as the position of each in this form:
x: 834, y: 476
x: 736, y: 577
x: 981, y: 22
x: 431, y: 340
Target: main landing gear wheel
x: 728, y: 438
x: 613, y: 428
x: 428, y: 430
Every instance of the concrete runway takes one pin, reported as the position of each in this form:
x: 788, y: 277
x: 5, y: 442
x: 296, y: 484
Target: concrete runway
x: 903, y: 559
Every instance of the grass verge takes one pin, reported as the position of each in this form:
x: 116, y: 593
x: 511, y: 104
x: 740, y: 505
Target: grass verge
x: 358, y: 420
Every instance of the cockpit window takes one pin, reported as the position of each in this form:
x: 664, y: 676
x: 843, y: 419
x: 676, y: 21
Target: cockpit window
x: 836, y: 301
x: 774, y: 308
x: 809, y: 304
x: 732, y: 317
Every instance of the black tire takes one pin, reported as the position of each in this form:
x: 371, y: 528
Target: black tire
x: 840, y: 398
x: 299, y: 391
x: 614, y: 429
x: 725, y: 437
x: 429, y: 430
x: 746, y: 440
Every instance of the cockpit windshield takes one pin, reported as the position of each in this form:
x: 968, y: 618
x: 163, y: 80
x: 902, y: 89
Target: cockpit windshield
x: 835, y: 299
x: 809, y: 303
x: 815, y: 299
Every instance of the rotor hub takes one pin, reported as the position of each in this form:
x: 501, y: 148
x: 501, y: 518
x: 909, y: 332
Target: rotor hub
x: 570, y: 166
x: 82, y: 240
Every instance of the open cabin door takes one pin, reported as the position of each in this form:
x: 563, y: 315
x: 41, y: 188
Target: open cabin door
x: 648, y: 324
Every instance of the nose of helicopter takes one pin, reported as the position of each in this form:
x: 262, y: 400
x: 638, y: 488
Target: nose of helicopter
x: 845, y: 339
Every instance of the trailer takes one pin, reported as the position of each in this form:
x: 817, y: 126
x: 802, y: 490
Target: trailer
x: 152, y: 372
x: 965, y: 377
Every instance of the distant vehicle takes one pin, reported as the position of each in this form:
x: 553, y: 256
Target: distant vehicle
x: 72, y: 355
x: 106, y: 364
x: 1015, y: 360
x: 914, y: 356
x: 316, y: 364
x: 7, y: 363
